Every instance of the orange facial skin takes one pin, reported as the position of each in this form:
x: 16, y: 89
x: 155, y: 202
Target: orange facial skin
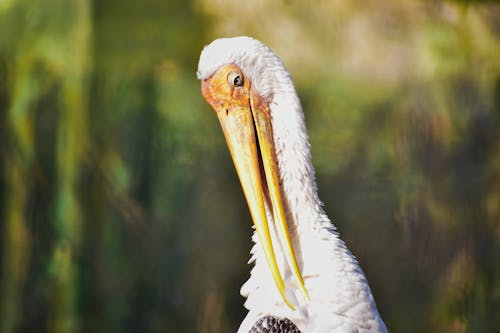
x: 221, y: 94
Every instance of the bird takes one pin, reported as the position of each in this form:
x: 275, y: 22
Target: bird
x: 304, y: 278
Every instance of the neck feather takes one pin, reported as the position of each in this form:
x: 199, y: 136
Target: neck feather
x: 298, y: 185
x: 330, y: 271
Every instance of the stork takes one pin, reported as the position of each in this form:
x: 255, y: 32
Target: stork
x: 304, y: 278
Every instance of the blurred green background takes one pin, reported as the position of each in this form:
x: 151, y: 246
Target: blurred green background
x: 120, y: 210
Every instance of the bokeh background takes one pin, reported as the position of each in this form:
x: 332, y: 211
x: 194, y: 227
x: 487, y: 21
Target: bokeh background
x: 120, y: 210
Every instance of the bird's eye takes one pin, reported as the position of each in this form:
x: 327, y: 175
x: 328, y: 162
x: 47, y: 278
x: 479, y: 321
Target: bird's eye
x: 235, y: 78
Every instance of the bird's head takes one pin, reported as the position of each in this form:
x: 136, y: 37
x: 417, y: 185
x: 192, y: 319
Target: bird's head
x: 239, y: 78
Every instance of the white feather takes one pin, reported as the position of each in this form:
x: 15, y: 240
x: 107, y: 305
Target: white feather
x: 341, y: 300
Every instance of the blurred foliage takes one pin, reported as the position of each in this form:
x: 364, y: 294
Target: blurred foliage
x: 120, y: 210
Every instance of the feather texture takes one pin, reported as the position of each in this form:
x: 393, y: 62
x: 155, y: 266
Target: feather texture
x: 341, y: 300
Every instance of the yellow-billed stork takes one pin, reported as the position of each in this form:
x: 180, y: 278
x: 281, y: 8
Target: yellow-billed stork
x: 304, y: 278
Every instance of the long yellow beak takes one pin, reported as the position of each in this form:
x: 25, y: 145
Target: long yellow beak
x: 248, y: 132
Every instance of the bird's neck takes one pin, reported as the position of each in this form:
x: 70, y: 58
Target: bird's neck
x: 298, y: 185
x: 329, y: 269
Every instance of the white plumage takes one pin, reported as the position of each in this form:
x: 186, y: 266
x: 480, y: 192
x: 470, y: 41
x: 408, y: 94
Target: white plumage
x: 340, y: 298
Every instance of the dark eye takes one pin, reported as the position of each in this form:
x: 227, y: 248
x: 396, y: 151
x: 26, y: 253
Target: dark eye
x: 238, y: 81
x: 235, y: 78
